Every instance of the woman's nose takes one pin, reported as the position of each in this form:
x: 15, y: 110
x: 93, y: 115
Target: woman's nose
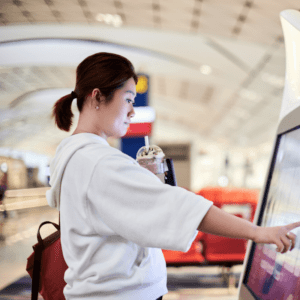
x: 131, y: 113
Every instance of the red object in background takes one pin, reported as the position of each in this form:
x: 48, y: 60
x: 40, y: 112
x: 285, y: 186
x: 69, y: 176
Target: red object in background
x: 239, y: 202
x: 216, y: 249
x: 139, y: 129
x: 194, y: 255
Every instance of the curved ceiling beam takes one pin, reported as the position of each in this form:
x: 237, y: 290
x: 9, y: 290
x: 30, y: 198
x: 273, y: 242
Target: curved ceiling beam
x: 70, y: 52
x: 6, y: 60
x: 176, y: 46
x: 49, y: 93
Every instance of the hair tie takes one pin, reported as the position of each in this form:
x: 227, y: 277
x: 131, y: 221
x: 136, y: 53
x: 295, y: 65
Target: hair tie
x: 74, y: 95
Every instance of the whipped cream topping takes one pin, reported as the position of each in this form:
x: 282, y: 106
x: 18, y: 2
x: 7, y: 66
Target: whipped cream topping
x: 150, y: 152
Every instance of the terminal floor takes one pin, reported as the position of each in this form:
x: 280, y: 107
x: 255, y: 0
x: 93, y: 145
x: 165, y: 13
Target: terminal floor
x: 18, y: 233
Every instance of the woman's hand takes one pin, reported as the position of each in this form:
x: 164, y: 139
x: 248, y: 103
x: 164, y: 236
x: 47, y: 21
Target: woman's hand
x: 279, y: 235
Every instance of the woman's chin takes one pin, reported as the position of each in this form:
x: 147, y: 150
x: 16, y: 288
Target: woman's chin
x: 120, y: 134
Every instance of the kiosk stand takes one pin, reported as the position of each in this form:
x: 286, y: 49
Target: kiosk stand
x: 268, y: 274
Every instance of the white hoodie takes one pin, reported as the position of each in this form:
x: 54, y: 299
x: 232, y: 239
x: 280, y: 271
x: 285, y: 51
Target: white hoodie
x: 115, y: 218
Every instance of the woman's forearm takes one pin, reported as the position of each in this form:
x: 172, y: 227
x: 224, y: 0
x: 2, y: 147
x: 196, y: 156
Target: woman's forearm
x: 219, y: 222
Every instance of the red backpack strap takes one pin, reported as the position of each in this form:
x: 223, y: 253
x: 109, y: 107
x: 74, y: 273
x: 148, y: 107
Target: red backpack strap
x: 38, y: 249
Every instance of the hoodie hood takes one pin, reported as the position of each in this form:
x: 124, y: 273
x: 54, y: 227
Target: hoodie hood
x: 63, y: 154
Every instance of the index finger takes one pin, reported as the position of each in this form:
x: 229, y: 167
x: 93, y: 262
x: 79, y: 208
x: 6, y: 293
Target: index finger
x: 292, y: 225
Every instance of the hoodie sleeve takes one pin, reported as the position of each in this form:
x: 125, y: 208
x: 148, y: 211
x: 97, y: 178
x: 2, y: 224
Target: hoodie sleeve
x: 136, y: 205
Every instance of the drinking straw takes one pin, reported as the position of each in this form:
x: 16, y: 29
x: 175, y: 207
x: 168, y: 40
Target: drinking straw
x: 147, y: 143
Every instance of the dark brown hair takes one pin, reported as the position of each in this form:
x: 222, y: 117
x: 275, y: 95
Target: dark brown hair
x: 105, y: 71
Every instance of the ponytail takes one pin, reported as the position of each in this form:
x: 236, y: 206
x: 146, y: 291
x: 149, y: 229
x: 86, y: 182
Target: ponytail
x: 62, y: 112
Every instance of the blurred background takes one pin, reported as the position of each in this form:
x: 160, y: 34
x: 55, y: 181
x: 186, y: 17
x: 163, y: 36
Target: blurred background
x: 216, y: 77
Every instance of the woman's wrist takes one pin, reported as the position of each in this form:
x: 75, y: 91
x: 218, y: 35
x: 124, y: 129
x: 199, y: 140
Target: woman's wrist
x: 254, y: 232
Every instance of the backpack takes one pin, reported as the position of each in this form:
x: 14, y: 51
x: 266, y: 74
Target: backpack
x: 46, y: 266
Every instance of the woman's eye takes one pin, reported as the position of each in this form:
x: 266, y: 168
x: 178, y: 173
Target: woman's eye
x: 130, y: 101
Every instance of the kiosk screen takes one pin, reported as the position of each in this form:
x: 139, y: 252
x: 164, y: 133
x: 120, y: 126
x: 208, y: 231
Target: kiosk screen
x: 272, y: 275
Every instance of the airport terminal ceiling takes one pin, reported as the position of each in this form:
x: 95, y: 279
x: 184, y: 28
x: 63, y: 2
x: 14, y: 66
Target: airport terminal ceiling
x: 216, y: 67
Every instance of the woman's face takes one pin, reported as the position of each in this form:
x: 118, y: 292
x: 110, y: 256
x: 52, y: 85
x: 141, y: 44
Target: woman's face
x: 115, y: 116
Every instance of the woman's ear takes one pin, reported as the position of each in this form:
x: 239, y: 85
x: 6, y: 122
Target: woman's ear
x: 97, y: 96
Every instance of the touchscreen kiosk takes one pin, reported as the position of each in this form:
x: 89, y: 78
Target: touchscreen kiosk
x: 268, y: 274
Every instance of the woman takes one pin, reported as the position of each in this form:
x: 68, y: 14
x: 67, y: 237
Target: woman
x: 115, y: 215
x: 3, y: 188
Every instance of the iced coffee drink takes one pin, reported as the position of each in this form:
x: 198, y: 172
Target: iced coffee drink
x: 153, y: 159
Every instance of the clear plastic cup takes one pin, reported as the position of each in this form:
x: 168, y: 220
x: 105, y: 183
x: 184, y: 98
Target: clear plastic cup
x: 153, y: 159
